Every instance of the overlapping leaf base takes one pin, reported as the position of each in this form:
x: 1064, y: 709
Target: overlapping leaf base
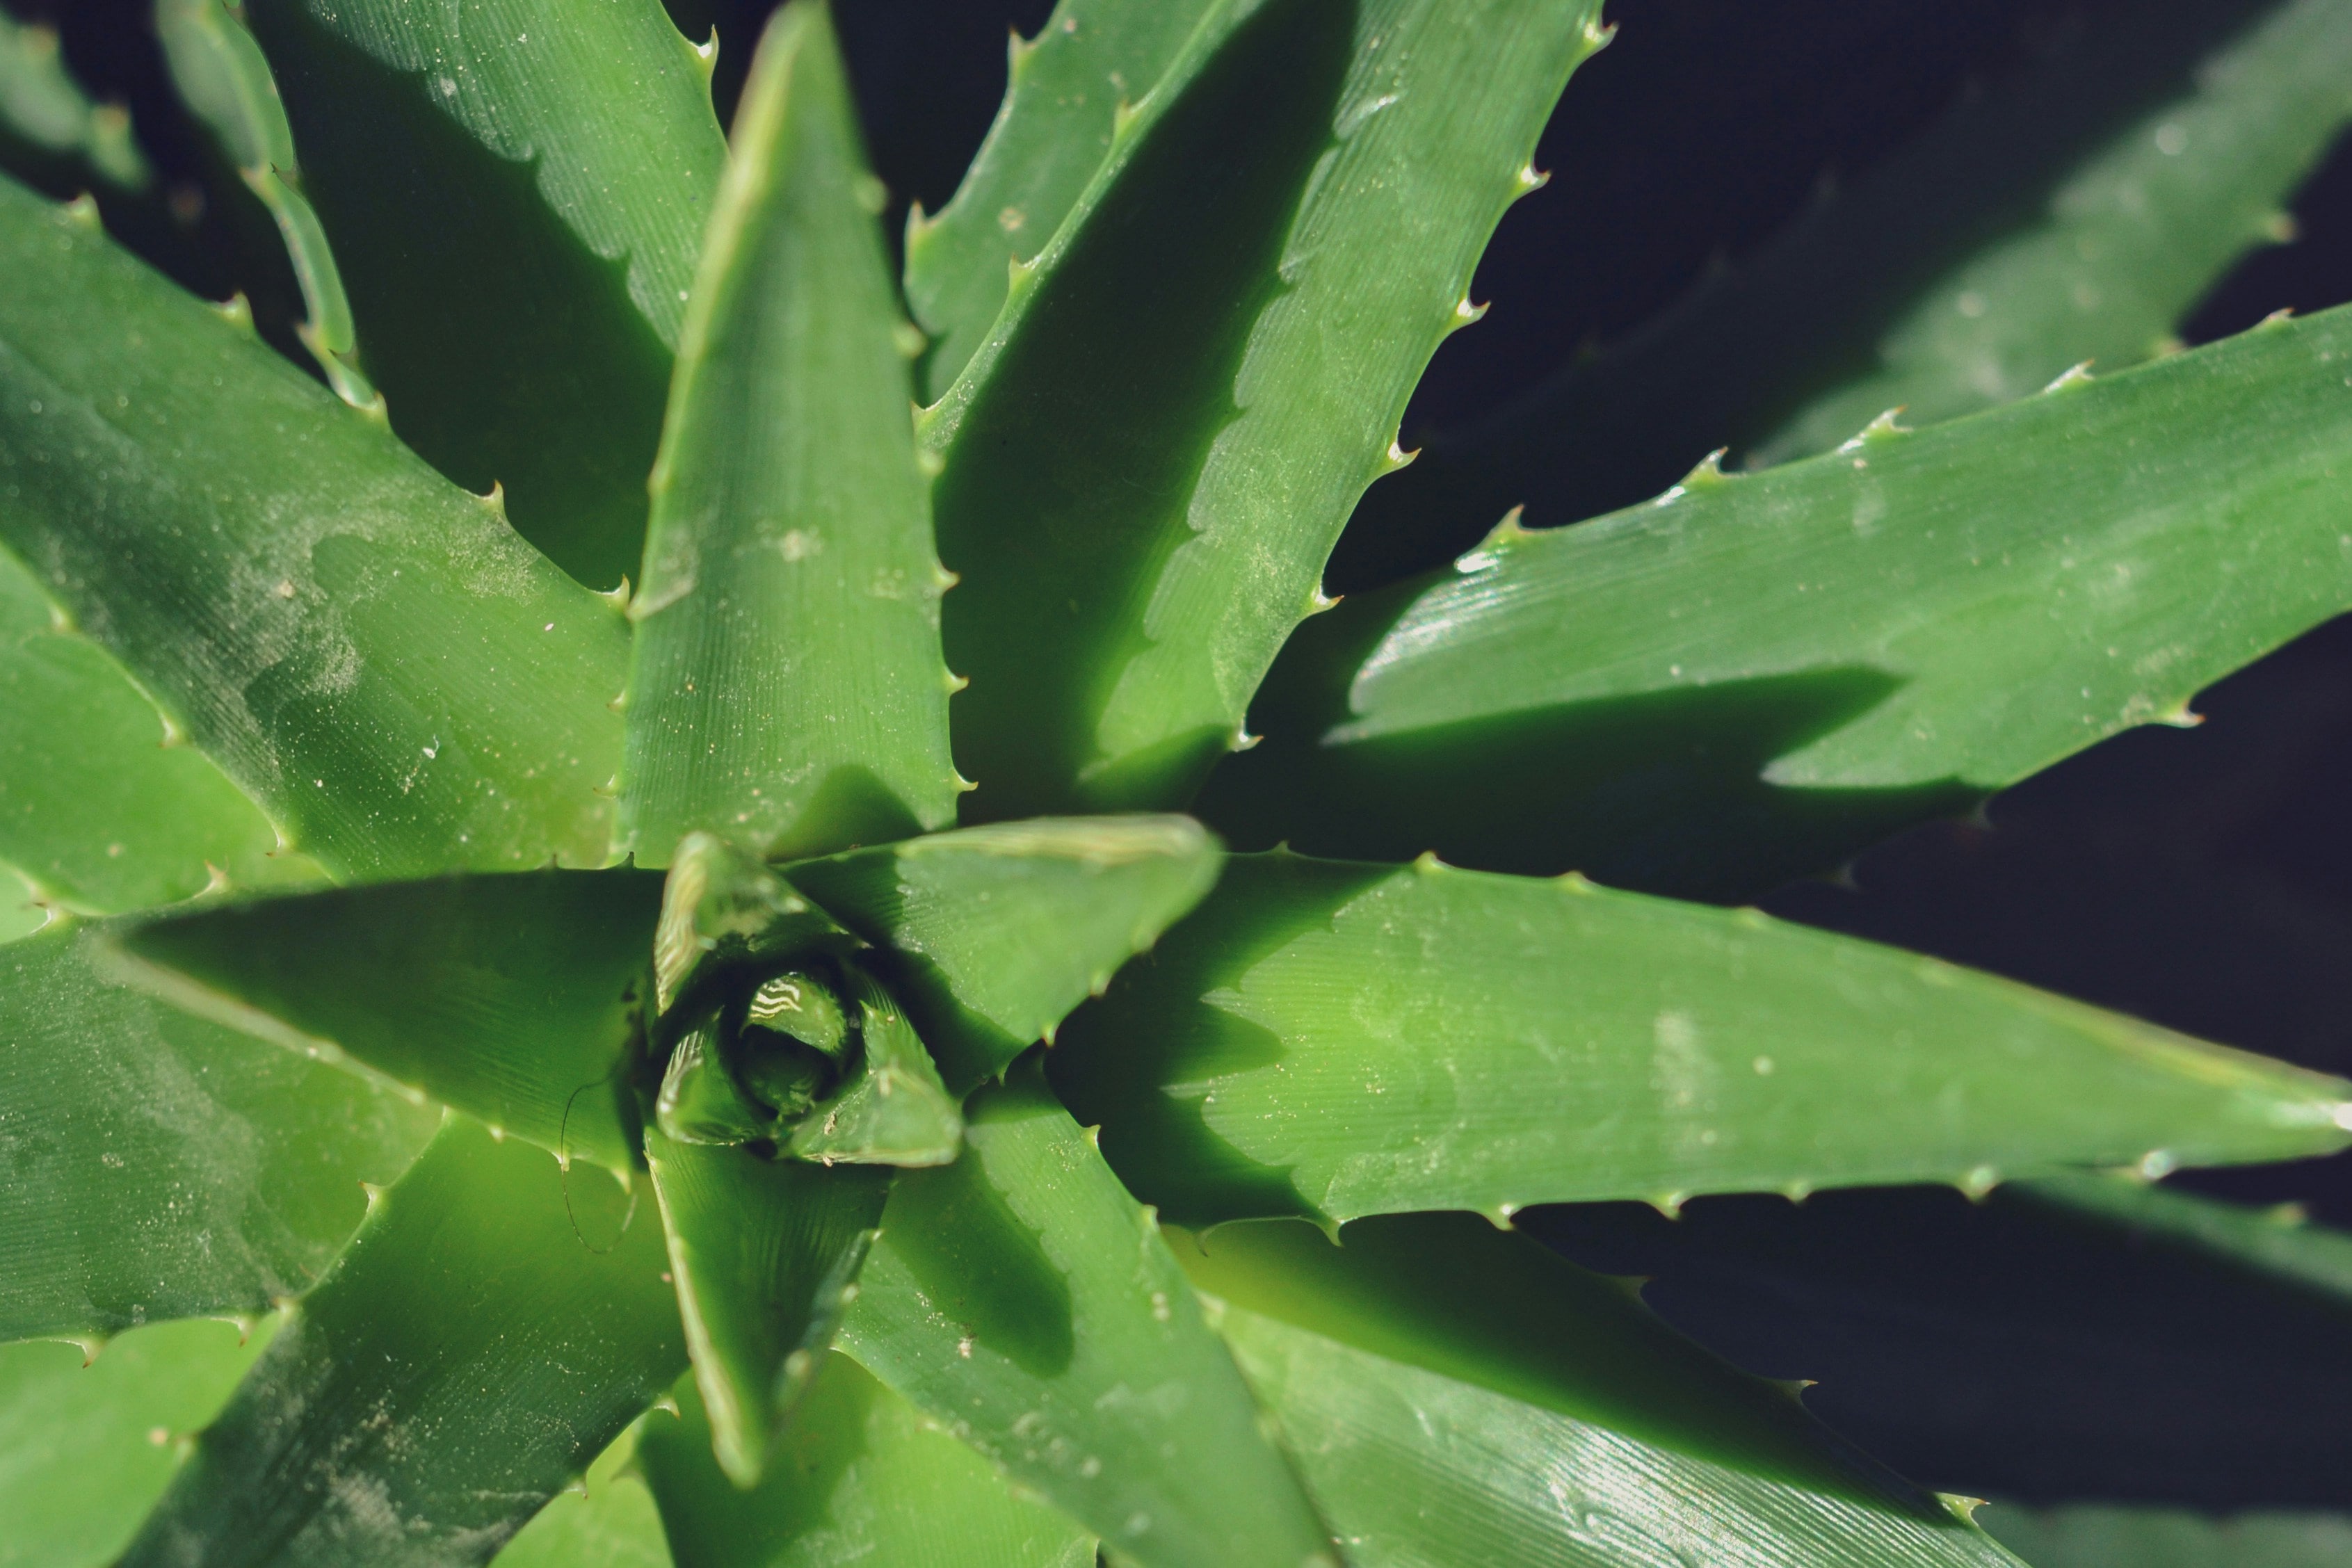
x: 567, y: 1038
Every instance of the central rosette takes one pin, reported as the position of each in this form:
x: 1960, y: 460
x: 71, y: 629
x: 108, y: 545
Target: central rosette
x: 774, y: 1034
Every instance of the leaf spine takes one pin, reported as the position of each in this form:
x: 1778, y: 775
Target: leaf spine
x: 238, y: 311
x: 2074, y: 376
x: 2275, y: 320
x: 1883, y: 428
x: 82, y: 211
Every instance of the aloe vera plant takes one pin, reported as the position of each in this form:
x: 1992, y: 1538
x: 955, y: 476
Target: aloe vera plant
x: 706, y: 968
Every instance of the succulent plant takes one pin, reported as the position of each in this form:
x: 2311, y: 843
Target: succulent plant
x: 651, y: 1066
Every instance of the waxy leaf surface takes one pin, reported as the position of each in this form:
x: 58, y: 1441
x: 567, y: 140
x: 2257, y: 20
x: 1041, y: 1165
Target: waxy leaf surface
x: 495, y: 1326
x: 1150, y: 456
x: 1750, y: 678
x: 1455, y: 1395
x: 765, y: 1251
x: 2080, y: 210
x: 1020, y: 1297
x: 94, y: 807
x: 87, y: 1448
x: 516, y: 190
x: 1331, y: 1039
x: 786, y: 690
x: 1092, y: 61
x: 403, y: 683
x: 162, y: 1167
x: 860, y: 1480
x: 510, y: 998
x: 992, y: 935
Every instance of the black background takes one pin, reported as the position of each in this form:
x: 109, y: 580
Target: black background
x: 2198, y: 878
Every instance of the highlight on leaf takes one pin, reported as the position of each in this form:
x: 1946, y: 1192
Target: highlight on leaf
x: 754, y: 1070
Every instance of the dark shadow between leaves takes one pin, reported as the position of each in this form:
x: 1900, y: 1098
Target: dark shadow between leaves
x: 507, y: 350
x: 1137, y: 1061
x: 979, y: 1264
x: 1661, y: 791
x: 1116, y: 387
x: 851, y: 806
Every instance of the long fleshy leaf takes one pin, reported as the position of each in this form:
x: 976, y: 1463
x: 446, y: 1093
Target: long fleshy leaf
x: 786, y: 689
x: 993, y: 934
x: 2087, y: 1336
x: 766, y: 1253
x: 87, y: 1448
x: 860, y: 1478
x: 511, y: 997
x: 1091, y: 62
x: 2079, y: 211
x: 2120, y: 1535
x: 610, y: 1522
x: 403, y: 683
x: 1751, y: 678
x: 225, y: 80
x: 516, y: 191
x: 161, y: 1166
x: 1330, y: 1039
x: 1455, y: 1395
x: 1022, y: 1298
x: 495, y: 1324
x: 1148, y: 461
x: 95, y: 807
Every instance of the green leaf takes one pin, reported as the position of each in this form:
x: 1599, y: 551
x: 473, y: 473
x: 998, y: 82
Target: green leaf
x: 992, y: 935
x: 1021, y: 1297
x: 1332, y: 1040
x: 85, y: 1448
x: 45, y: 113
x: 2079, y: 211
x: 96, y: 808
x: 2121, y: 1535
x: 861, y: 1479
x: 610, y: 1522
x: 510, y: 998
x: 404, y: 685
x: 226, y: 83
x: 495, y: 1326
x: 723, y: 907
x: 786, y: 689
x: 161, y: 1166
x: 766, y: 1253
x: 1092, y: 61
x: 1148, y: 461
x: 1457, y: 1396
x: 892, y: 1108
x: 2072, y: 1337
x: 516, y: 192
x: 1751, y: 678
x: 20, y: 915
